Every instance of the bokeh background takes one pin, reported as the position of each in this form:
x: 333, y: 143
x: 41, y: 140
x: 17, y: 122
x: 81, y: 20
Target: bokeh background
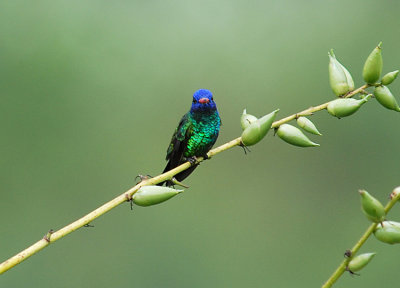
x: 91, y: 92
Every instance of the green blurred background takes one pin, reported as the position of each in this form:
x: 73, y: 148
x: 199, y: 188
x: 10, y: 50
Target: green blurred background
x: 91, y: 92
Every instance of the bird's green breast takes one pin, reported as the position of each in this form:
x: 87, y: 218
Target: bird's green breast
x: 204, y: 133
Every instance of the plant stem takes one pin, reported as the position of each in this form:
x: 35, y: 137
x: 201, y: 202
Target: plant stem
x: 342, y: 267
x: 127, y: 195
x: 311, y: 110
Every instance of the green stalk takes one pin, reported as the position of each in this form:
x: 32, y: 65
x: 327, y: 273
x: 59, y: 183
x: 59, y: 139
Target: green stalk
x: 342, y: 267
x: 127, y: 195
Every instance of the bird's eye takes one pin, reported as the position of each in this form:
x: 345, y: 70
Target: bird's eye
x: 194, y: 101
x: 212, y: 98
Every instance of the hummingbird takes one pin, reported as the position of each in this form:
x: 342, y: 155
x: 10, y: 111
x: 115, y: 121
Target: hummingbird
x: 195, y: 135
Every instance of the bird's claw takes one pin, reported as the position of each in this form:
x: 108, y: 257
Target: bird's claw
x: 192, y: 160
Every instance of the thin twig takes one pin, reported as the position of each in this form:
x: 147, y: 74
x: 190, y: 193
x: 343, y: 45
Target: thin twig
x: 36, y: 247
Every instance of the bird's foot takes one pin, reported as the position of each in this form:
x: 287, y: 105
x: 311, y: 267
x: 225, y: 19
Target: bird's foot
x: 245, y: 148
x: 192, y: 160
x: 176, y: 182
x: 142, y: 178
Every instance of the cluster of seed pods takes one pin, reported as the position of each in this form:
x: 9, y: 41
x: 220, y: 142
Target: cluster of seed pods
x: 255, y: 129
x: 341, y: 83
x: 385, y: 231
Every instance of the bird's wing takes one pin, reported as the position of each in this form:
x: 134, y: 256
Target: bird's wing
x: 178, y: 142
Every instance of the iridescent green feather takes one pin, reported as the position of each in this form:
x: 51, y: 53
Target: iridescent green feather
x: 204, y: 133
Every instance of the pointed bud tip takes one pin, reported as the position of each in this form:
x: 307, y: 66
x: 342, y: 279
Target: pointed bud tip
x: 380, y: 45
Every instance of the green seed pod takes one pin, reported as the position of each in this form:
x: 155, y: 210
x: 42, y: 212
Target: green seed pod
x: 307, y: 125
x: 388, y: 232
x: 247, y: 119
x: 258, y: 129
x: 386, y: 98
x: 345, y: 106
x: 395, y: 193
x: 389, y: 77
x: 349, y: 79
x: 151, y: 195
x: 360, y: 261
x: 373, y: 66
x: 294, y: 136
x: 339, y: 78
x: 371, y: 207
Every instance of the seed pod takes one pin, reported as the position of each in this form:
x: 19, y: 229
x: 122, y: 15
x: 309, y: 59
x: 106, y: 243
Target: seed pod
x: 339, y: 78
x: 258, y: 129
x: 151, y: 195
x: 395, y: 193
x: 371, y: 207
x: 294, y: 136
x: 349, y: 79
x: 388, y: 232
x: 307, y: 125
x: 345, y: 106
x: 373, y: 66
x: 389, y: 77
x: 386, y: 98
x: 360, y: 261
x: 247, y: 119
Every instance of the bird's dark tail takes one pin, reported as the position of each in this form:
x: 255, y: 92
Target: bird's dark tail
x: 180, y: 176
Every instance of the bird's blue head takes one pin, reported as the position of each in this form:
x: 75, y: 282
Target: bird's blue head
x: 203, y: 101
